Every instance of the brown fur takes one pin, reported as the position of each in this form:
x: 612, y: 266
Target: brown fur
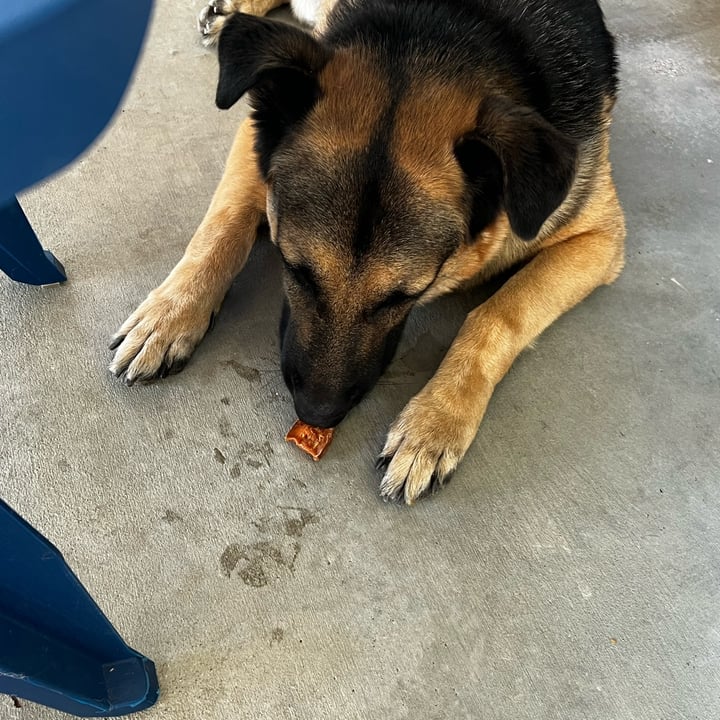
x: 579, y: 248
x: 337, y: 126
x: 429, y: 121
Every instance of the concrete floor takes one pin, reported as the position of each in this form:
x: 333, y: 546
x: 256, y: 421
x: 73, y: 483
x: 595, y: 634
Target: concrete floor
x: 571, y: 568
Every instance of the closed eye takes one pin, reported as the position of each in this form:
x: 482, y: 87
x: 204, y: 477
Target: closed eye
x: 304, y: 277
x: 395, y: 300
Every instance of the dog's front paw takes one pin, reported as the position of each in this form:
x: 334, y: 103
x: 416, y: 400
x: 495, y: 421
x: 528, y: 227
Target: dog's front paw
x: 212, y: 18
x: 158, y: 339
x: 424, y: 446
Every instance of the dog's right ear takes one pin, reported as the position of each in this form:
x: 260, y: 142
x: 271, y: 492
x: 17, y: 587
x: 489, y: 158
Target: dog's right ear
x: 278, y: 65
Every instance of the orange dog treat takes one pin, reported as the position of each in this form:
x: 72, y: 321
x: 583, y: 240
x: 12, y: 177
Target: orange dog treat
x: 313, y: 440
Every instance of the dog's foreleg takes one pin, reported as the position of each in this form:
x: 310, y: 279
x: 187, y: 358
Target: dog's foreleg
x: 160, y: 336
x: 435, y: 429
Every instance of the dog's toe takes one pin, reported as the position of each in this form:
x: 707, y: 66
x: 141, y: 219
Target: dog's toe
x: 423, y: 448
x: 414, y: 472
x: 211, y: 19
x: 158, y: 339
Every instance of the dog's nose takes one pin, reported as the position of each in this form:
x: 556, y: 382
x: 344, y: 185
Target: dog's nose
x: 319, y: 406
x: 324, y: 414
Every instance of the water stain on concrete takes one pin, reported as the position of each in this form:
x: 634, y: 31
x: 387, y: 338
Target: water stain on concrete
x: 225, y: 428
x: 255, y: 455
x: 230, y: 558
x: 171, y: 516
x: 246, y: 372
x: 258, y: 563
x: 294, y: 526
x: 265, y: 560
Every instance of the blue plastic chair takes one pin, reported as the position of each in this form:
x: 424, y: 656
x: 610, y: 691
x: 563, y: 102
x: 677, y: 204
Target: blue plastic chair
x: 56, y: 646
x: 64, y: 66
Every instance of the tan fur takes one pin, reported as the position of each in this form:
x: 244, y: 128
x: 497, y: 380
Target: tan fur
x: 436, y: 428
x: 213, y: 16
x: 324, y: 11
x: 430, y: 119
x: 578, y: 249
x: 176, y: 315
x: 257, y: 7
x: 354, y: 95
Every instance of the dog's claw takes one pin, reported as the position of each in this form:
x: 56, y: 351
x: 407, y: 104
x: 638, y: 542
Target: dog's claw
x: 212, y: 17
x: 422, y: 450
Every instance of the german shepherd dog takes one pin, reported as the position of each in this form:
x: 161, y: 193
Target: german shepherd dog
x: 405, y: 149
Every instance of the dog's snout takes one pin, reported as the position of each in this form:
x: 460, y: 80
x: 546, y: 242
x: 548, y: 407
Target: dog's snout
x: 331, y: 370
x: 318, y: 413
x: 322, y: 407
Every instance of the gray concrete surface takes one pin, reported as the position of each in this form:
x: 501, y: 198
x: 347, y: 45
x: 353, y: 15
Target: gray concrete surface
x: 571, y: 568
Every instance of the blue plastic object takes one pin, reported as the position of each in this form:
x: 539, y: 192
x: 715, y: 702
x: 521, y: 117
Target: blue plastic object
x: 56, y: 646
x: 64, y: 66
x: 21, y: 256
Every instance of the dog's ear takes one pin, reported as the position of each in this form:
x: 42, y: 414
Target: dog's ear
x: 484, y: 177
x: 278, y: 65
x: 537, y: 162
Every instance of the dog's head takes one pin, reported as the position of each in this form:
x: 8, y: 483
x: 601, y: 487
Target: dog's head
x: 376, y: 181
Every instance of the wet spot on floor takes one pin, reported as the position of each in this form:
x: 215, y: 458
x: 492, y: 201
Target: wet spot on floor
x: 259, y: 563
x: 256, y: 455
x: 230, y: 558
x: 298, y: 520
x: 225, y: 428
x: 246, y: 372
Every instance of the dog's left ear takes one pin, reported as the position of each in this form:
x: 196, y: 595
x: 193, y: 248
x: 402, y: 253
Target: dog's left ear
x: 538, y: 161
x: 278, y: 65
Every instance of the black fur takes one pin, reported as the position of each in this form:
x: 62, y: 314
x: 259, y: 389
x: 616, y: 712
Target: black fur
x: 557, y: 52
x: 553, y: 57
x: 277, y: 64
x: 538, y: 162
x: 542, y: 72
x: 555, y: 60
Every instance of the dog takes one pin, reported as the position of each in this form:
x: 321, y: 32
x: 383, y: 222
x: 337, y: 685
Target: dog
x: 403, y: 150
